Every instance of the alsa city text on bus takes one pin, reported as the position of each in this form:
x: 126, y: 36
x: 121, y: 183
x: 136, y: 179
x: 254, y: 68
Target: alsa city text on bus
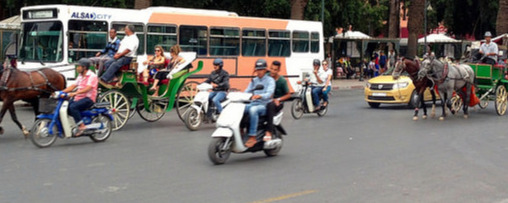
x: 91, y: 16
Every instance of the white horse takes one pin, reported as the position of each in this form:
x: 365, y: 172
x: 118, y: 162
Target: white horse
x: 449, y: 78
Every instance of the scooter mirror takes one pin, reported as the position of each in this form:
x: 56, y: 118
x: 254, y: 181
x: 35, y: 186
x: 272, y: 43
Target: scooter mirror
x: 259, y: 87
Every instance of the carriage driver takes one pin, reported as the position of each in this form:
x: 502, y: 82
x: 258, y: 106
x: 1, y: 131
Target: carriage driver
x: 489, y: 50
x: 85, y: 94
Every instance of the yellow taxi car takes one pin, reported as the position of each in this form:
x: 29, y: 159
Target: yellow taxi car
x: 384, y: 89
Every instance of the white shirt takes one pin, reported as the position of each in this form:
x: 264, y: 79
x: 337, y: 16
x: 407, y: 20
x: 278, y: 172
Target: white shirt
x: 323, y: 75
x: 489, y: 48
x: 131, y: 43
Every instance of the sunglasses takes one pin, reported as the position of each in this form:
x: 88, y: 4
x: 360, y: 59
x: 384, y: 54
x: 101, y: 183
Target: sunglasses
x: 157, y: 50
x: 325, y: 63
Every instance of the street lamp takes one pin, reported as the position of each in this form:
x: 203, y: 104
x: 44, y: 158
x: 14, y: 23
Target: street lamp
x: 426, y: 7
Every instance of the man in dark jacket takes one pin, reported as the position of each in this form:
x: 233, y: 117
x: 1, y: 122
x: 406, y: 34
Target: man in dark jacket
x: 219, y: 79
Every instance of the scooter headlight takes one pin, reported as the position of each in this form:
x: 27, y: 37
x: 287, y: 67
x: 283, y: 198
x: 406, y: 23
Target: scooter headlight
x: 400, y: 85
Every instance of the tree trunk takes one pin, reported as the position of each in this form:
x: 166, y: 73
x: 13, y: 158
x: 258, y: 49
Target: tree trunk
x: 298, y: 9
x: 140, y: 4
x: 502, y: 18
x: 415, y: 25
x: 393, y: 20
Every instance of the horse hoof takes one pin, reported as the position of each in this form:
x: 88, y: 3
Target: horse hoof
x: 415, y: 118
x: 453, y: 112
x: 424, y: 117
x: 441, y: 118
x: 432, y: 115
x: 466, y: 116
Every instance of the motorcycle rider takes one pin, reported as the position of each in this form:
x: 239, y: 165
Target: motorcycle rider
x: 280, y: 94
x: 219, y: 79
x: 85, y: 94
x: 259, y: 99
x: 323, y: 77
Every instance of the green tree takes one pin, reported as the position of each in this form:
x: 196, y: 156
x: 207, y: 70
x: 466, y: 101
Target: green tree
x: 414, y: 26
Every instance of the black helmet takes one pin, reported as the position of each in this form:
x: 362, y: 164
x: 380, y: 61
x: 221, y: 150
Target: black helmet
x: 84, y: 62
x: 218, y: 62
x: 260, y: 64
x: 316, y: 62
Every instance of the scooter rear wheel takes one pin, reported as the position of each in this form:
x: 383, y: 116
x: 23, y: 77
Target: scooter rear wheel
x: 297, y: 109
x: 323, y: 111
x: 106, y: 132
x: 39, y: 135
x: 274, y: 152
x: 215, y: 150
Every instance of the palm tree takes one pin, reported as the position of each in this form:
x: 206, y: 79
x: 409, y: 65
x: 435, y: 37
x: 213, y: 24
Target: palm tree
x: 414, y: 26
x: 502, y: 18
x: 393, y: 27
x: 298, y: 9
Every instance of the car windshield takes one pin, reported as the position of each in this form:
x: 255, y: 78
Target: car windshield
x: 390, y: 71
x: 41, y: 41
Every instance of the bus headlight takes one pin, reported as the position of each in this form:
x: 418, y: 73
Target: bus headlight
x: 400, y: 85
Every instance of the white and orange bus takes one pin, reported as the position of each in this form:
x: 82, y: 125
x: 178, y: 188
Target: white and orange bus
x: 58, y: 35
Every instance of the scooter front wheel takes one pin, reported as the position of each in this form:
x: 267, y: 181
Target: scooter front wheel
x: 297, y: 109
x: 102, y: 134
x: 193, y: 119
x: 217, y: 151
x: 40, y: 136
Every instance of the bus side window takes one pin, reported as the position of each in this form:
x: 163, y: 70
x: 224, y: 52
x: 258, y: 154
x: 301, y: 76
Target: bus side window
x: 194, y: 38
x: 314, y: 42
x: 253, y: 42
x: 279, y: 43
x: 300, y: 41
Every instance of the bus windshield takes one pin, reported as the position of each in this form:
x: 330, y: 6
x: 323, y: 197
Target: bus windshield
x: 41, y: 41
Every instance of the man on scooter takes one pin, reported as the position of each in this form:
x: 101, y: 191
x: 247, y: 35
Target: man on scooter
x: 323, y: 86
x: 219, y: 79
x: 259, y: 99
x: 85, y: 94
x: 280, y: 94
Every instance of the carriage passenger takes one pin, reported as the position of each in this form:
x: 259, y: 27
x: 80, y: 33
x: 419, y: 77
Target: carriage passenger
x: 489, y: 50
x: 107, y: 53
x: 162, y: 74
x: 126, y: 52
x: 154, y: 64
x: 219, y: 78
x: 85, y: 94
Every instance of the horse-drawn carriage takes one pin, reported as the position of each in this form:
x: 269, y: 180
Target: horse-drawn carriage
x: 490, y: 84
x: 130, y: 94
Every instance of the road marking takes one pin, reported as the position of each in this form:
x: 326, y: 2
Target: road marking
x: 283, y: 197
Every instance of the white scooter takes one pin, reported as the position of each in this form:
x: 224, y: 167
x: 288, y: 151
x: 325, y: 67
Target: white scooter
x: 199, y: 109
x: 302, y: 103
x: 227, y: 137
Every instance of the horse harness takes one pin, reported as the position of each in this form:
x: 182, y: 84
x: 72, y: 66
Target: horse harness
x: 36, y: 87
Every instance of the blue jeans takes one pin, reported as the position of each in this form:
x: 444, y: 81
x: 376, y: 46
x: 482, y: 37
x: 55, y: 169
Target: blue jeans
x: 216, y: 98
x: 76, y: 107
x: 317, y: 91
x: 112, y: 66
x: 254, y: 111
x: 325, y: 93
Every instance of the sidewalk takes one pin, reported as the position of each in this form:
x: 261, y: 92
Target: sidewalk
x: 348, y: 84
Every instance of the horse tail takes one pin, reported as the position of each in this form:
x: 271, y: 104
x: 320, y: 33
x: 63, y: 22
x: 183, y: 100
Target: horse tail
x: 64, y: 80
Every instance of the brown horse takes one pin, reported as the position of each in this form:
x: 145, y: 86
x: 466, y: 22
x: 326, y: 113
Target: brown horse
x: 29, y: 86
x: 412, y: 67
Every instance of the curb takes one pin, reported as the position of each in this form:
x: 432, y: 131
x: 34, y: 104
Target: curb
x: 352, y: 87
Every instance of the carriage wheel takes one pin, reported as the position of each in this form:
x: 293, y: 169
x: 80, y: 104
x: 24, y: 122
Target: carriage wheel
x: 119, y: 106
x: 456, y: 103
x: 501, y: 100
x: 156, y: 109
x: 185, y: 98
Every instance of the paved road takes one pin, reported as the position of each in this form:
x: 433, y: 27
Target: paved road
x: 353, y: 154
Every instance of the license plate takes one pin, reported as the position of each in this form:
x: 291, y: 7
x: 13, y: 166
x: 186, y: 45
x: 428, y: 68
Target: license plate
x: 379, y: 94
